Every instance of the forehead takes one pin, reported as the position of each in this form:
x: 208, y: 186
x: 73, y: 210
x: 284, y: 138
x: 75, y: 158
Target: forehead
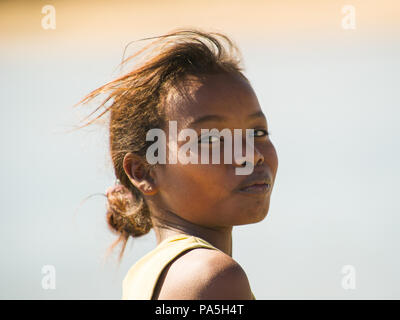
x: 231, y: 97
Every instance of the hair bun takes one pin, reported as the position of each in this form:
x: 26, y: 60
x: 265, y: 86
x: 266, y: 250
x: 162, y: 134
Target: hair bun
x: 119, y: 191
x: 126, y: 215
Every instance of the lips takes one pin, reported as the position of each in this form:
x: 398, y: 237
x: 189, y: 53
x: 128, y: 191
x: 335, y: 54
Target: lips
x: 258, y: 188
x: 256, y: 184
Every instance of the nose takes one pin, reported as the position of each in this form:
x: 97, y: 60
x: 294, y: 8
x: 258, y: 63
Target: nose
x: 252, y: 156
x: 245, y: 160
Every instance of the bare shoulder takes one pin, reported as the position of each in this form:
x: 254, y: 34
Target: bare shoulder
x: 204, y: 274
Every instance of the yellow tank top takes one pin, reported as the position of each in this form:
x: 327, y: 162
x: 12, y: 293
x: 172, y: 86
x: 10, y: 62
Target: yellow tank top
x: 141, y: 279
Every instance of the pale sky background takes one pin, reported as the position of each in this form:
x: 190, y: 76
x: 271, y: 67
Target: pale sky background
x: 331, y: 97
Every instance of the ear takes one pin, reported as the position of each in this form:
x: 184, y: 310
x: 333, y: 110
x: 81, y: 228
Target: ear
x: 139, y: 176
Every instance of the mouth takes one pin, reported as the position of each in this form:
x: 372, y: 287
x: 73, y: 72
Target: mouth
x: 256, y: 188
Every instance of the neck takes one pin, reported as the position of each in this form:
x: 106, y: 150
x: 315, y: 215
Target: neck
x: 171, y: 224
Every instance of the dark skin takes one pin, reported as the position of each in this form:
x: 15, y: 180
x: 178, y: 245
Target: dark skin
x: 202, y: 199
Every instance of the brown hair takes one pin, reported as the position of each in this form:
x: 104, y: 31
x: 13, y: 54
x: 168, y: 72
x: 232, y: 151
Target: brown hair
x: 136, y: 100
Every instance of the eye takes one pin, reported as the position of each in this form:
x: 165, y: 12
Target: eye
x: 209, y: 139
x: 261, y: 133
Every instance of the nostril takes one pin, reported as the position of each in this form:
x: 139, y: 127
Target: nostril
x: 246, y: 164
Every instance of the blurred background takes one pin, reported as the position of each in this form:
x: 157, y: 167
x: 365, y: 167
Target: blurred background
x: 327, y: 75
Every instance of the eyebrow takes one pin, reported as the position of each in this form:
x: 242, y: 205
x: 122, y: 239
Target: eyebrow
x: 215, y: 117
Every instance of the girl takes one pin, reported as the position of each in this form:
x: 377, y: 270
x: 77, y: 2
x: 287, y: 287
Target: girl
x: 194, y: 80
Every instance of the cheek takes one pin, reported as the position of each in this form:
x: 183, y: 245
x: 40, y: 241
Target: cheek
x: 194, y: 189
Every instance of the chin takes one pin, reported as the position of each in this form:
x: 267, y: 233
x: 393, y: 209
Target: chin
x: 260, y: 217
x: 254, y: 216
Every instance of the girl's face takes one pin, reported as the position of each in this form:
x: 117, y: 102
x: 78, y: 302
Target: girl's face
x: 209, y: 194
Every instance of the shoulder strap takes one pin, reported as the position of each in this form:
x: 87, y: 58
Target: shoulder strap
x: 141, y: 280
